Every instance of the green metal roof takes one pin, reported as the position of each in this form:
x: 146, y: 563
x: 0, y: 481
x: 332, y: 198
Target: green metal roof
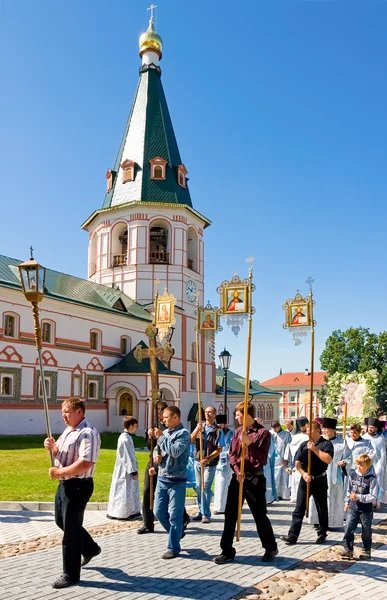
x: 75, y: 290
x: 130, y: 364
x: 148, y: 134
x: 236, y: 385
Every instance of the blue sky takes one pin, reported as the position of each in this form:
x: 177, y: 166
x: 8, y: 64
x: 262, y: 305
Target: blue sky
x: 279, y: 108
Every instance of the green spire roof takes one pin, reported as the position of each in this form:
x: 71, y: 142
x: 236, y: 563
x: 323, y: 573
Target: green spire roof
x: 148, y: 134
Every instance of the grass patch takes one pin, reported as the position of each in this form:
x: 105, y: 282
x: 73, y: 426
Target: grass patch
x: 24, y: 465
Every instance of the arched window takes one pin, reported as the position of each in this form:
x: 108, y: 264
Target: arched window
x: 119, y: 245
x: 47, y: 332
x: 9, y: 326
x: 193, y: 380
x: 269, y: 412
x: 125, y: 345
x: 158, y: 244
x: 95, y: 340
x: 6, y: 386
x: 92, y: 390
x: 158, y: 168
x: 93, y: 254
x: 193, y: 351
x: 181, y: 176
x: 127, y: 167
x: 261, y: 412
x: 192, y: 249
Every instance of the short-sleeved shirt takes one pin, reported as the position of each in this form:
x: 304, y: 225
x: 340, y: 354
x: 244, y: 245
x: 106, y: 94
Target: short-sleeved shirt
x: 81, y: 443
x: 318, y: 467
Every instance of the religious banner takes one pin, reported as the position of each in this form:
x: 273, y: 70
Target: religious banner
x: 164, y: 313
x: 208, y: 321
x: 298, y: 315
x: 235, y: 299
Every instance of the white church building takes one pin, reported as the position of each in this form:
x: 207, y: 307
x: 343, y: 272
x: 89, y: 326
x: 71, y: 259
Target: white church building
x: 146, y: 231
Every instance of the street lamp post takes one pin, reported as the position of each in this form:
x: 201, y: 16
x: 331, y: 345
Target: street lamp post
x: 33, y: 277
x: 225, y: 362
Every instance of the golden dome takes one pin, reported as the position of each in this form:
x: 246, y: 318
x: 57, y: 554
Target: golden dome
x: 150, y: 40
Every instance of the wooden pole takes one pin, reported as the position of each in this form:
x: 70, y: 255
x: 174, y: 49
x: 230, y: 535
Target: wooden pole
x: 198, y: 387
x: 246, y: 400
x: 311, y: 400
x: 154, y: 397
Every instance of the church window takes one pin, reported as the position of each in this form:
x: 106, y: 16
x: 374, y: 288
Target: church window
x: 125, y: 345
x: 109, y: 179
x: 127, y: 167
x: 47, y: 331
x: 10, y: 326
x: 158, y: 245
x: 92, y: 390
x: 6, y: 386
x: 192, y: 249
x: 181, y: 176
x: 95, y: 340
x: 158, y: 168
x: 193, y: 380
x: 47, y: 385
x: 193, y: 351
x: 269, y: 412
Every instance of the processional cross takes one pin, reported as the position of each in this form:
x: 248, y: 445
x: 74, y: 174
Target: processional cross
x: 153, y: 353
x: 151, y: 8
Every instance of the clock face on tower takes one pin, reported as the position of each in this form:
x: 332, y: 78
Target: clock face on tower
x: 190, y: 290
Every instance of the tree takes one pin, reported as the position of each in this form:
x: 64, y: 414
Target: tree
x: 356, y: 349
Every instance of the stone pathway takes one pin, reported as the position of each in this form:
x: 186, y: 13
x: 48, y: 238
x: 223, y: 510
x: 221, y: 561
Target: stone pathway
x: 130, y: 566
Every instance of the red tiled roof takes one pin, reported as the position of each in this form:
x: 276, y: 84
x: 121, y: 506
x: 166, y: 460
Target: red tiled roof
x: 295, y: 379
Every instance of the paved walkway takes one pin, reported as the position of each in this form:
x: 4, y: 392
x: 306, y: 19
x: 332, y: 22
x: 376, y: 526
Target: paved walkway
x: 130, y: 566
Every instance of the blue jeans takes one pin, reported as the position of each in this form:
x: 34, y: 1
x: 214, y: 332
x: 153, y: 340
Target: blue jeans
x: 169, y: 509
x: 353, y: 519
x: 204, y: 502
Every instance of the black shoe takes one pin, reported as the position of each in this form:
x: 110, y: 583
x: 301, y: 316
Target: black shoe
x: 222, y: 558
x: 321, y: 539
x: 289, y: 539
x: 186, y: 523
x: 86, y: 559
x: 64, y: 581
x: 144, y: 529
x: 168, y: 555
x: 269, y: 556
x: 197, y: 518
x: 112, y: 518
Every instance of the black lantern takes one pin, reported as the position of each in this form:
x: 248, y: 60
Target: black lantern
x: 225, y: 362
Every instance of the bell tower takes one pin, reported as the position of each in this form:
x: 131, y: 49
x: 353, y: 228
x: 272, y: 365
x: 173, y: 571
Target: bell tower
x: 147, y: 228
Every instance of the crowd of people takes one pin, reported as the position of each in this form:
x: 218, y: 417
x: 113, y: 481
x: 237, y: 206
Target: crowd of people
x: 346, y: 482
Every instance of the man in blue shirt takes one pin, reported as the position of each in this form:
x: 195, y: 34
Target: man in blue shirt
x: 173, y: 444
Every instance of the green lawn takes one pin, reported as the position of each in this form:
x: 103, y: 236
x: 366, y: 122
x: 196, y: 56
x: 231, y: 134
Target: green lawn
x: 24, y: 464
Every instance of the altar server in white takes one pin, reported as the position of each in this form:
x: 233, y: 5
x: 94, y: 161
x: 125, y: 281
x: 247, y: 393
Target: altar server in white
x: 282, y: 439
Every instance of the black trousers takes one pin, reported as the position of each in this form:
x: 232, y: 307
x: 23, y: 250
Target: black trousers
x: 71, y: 498
x: 148, y: 516
x: 254, y: 490
x: 319, y: 491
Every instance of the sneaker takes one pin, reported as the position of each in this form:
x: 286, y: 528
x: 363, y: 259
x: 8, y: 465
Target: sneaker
x: 269, y: 556
x: 347, y: 554
x: 206, y: 520
x: 64, y: 581
x: 144, y: 529
x: 290, y: 541
x: 222, y: 559
x: 168, y: 555
x: 86, y: 559
x: 197, y: 517
x: 365, y: 555
x: 321, y: 539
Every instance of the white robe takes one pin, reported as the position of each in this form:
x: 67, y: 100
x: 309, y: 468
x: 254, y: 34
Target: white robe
x: 379, y: 462
x: 281, y: 439
x: 290, y: 453
x: 124, y: 496
x: 268, y: 471
x: 223, y: 475
x: 336, y: 491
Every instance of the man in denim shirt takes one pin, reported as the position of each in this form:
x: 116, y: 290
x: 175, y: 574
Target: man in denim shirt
x: 173, y: 444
